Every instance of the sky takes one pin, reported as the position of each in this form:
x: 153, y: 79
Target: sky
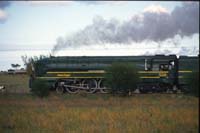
x: 77, y: 28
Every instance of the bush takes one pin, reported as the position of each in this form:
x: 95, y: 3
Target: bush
x: 40, y: 88
x: 121, y: 77
x: 193, y: 80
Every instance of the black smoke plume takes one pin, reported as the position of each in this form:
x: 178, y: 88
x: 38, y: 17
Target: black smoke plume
x: 147, y: 26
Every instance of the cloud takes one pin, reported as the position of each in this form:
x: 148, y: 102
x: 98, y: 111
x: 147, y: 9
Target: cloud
x: 154, y: 24
x: 102, y: 2
x: 3, y: 14
x: 64, y: 3
x: 4, y: 4
x: 156, y: 9
x: 51, y: 3
x: 92, y: 2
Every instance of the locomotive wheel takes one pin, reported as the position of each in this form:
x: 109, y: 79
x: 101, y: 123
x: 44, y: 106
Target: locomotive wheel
x: 60, y: 89
x: 174, y: 89
x: 102, y: 86
x: 142, y: 89
x: 166, y: 89
x: 73, y: 90
x: 90, y: 84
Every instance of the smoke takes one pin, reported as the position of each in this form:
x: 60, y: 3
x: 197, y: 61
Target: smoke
x: 3, y: 14
x: 182, y: 50
x: 189, y: 51
x: 152, y: 24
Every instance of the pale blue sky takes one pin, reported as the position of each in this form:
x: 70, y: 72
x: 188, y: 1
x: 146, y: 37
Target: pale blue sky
x: 32, y: 28
x: 41, y: 24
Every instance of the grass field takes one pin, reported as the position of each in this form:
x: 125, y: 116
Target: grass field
x: 15, y: 83
x: 150, y: 113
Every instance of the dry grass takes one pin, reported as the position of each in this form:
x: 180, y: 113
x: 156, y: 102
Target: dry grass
x: 152, y: 113
x: 99, y: 113
x: 15, y: 83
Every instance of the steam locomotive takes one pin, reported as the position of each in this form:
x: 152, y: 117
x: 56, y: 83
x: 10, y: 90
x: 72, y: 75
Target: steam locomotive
x: 159, y: 73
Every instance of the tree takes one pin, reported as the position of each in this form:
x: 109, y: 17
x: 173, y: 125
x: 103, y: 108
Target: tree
x: 40, y: 88
x: 29, y: 62
x: 15, y: 66
x: 122, y: 77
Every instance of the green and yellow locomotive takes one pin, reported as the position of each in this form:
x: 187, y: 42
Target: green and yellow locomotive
x: 158, y: 73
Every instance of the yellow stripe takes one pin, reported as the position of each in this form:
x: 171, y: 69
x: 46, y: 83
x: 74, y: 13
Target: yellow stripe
x: 104, y: 72
x: 163, y: 74
x: 93, y: 77
x: 63, y: 75
x: 184, y: 71
x: 76, y: 72
x: 153, y: 72
x: 147, y: 77
x: 67, y: 77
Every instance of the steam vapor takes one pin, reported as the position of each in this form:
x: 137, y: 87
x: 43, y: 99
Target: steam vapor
x: 156, y: 26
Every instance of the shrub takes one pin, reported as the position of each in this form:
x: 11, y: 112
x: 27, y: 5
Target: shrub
x: 40, y: 88
x: 121, y: 77
x: 193, y: 80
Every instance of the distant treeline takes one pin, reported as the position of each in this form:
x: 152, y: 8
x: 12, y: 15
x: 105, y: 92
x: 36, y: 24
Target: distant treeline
x: 11, y: 71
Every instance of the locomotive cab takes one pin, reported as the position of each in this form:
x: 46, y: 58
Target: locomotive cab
x: 160, y: 74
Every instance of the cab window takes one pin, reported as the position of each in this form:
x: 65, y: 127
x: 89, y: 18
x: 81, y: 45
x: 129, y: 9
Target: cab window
x: 164, y: 67
x: 155, y: 67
